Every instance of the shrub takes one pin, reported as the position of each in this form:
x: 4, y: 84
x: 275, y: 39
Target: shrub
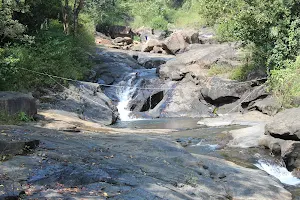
x: 285, y: 83
x: 240, y: 73
x: 53, y: 53
x: 16, y: 119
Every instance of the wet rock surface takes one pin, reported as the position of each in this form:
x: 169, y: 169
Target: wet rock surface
x: 187, y: 89
x: 126, y: 166
x: 282, y: 138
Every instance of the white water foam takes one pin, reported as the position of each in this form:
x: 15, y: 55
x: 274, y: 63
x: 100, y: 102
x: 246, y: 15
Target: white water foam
x: 131, y: 86
x: 124, y: 95
x: 212, y: 147
x: 279, y: 172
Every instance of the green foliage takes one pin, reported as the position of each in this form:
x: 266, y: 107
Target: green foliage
x: 107, y: 12
x: 285, y: 83
x: 272, y: 26
x: 16, y: 119
x: 219, y: 69
x: 22, y: 116
x: 240, y: 73
x: 53, y: 53
x: 156, y: 14
x: 10, y: 28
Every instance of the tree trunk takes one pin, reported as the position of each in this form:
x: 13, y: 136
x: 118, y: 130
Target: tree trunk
x: 65, y: 17
x: 76, y: 11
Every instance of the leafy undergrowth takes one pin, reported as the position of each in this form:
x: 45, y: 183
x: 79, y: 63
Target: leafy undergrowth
x: 285, y: 83
x: 53, y: 53
x: 6, y: 119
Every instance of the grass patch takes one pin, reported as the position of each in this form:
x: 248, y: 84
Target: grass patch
x: 240, y: 73
x: 19, y: 118
x: 219, y: 69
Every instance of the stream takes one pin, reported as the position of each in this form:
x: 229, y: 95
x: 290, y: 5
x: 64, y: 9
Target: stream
x: 194, y: 138
x: 212, y: 142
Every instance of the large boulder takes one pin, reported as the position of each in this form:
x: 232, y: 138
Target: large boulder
x: 178, y: 41
x: 152, y: 60
x: 87, y: 101
x: 92, y: 103
x: 199, y: 59
x: 112, y: 65
x: 285, y: 125
x: 220, y: 90
x: 269, y: 105
x: 287, y: 149
x: 155, y: 46
x: 232, y: 96
x: 122, y: 41
x: 282, y: 136
x: 183, y: 100
x: 14, y: 102
x: 120, y: 31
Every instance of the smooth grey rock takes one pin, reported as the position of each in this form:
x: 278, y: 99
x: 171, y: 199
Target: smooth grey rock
x: 178, y: 41
x: 92, y: 103
x: 256, y: 184
x: 288, y: 150
x: 120, y: 31
x: 198, y: 60
x: 122, y: 41
x: 183, y: 101
x: 130, y: 166
x: 285, y: 125
x: 221, y: 90
x: 269, y: 106
x: 112, y: 65
x: 13, y: 103
x: 85, y: 100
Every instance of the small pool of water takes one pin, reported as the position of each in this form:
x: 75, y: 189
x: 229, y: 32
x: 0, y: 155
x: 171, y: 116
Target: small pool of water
x: 161, y: 123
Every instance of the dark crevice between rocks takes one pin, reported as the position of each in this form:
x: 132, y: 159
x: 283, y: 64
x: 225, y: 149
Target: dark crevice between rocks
x: 247, y: 104
x: 221, y: 101
x: 135, y: 57
x: 133, y: 107
x: 285, y: 136
x: 152, y: 101
x: 259, y: 82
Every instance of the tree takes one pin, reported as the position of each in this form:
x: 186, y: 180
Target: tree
x: 272, y: 25
x: 78, y: 6
x: 11, y: 29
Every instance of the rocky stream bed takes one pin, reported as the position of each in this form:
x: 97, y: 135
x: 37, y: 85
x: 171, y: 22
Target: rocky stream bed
x: 177, y: 133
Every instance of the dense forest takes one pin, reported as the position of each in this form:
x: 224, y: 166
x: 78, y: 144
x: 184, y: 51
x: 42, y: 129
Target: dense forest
x: 56, y: 37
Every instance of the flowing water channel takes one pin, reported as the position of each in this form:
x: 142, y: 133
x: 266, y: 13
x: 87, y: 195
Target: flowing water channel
x: 195, y: 139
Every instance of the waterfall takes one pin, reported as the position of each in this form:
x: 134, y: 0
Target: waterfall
x: 124, y: 95
x: 278, y: 171
x: 131, y: 85
x: 139, y: 84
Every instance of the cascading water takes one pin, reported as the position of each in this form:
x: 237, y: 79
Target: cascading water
x: 124, y: 95
x: 278, y: 171
x: 124, y: 91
